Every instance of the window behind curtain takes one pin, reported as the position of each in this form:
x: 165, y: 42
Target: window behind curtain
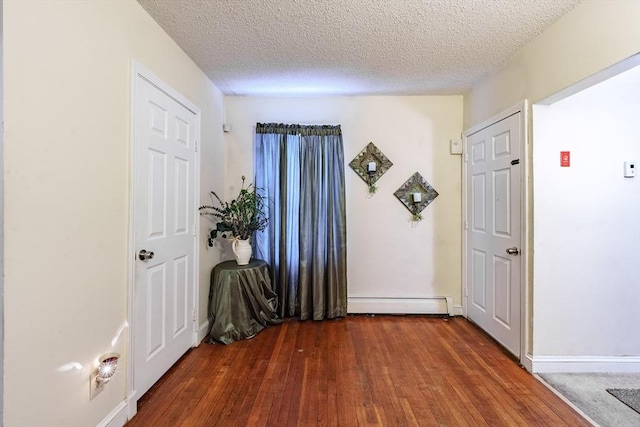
x: 301, y: 171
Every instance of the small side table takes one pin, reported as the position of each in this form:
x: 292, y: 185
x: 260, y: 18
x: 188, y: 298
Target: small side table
x: 241, y: 301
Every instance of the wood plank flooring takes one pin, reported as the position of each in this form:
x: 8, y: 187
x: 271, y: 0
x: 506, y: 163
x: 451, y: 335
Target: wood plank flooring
x: 356, y: 371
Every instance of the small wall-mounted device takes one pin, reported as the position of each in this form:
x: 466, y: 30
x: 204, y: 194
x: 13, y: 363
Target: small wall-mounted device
x: 104, y: 372
x: 455, y: 146
x: 226, y: 128
x: 629, y: 169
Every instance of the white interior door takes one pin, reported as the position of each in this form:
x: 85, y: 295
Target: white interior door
x: 164, y: 224
x: 493, y: 230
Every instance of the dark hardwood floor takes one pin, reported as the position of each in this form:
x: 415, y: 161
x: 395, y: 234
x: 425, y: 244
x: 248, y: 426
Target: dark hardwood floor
x: 360, y: 370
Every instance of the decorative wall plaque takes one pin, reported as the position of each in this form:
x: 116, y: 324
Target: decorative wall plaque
x: 370, y: 164
x: 416, y: 194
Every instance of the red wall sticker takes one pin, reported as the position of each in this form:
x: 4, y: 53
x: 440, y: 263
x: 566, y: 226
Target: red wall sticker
x: 565, y: 159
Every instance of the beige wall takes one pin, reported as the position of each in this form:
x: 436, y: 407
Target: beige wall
x: 67, y: 124
x: 67, y: 97
x: 590, y: 38
x: 388, y: 256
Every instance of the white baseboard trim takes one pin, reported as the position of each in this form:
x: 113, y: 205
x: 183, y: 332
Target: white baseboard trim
x: 115, y: 418
x: 435, y: 305
x: 527, y: 362
x: 457, y: 311
x: 553, y: 364
x: 132, y: 404
x: 202, y: 331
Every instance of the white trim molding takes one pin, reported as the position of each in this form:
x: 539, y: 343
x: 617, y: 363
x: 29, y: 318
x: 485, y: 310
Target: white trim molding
x: 115, y: 418
x: 433, y: 305
x: 202, y: 331
x: 132, y: 404
x: 553, y: 364
x: 527, y: 362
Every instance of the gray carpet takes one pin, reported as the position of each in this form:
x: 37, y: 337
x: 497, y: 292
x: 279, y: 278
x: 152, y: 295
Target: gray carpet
x: 628, y: 396
x: 589, y: 393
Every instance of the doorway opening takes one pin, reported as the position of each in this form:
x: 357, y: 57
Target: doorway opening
x: 587, y: 225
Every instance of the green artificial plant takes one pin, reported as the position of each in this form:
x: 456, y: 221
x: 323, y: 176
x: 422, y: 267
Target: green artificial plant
x: 241, y: 217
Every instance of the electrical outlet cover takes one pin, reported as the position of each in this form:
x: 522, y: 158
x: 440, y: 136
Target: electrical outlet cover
x: 95, y: 387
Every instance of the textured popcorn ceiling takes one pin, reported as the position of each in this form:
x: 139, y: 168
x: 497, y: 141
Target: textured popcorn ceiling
x: 352, y: 47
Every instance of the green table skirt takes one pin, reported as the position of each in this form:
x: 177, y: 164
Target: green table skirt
x: 241, y: 301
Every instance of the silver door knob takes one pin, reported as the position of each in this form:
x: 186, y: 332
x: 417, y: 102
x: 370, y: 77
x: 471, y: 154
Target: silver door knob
x: 144, y: 255
x: 513, y: 251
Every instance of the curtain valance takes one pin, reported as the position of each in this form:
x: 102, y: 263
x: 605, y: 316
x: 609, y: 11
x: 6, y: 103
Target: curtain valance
x: 302, y: 130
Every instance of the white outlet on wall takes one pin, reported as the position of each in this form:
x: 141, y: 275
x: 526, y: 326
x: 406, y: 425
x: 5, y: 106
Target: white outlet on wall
x: 95, y: 386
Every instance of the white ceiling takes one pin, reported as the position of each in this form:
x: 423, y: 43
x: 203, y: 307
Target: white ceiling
x: 352, y: 47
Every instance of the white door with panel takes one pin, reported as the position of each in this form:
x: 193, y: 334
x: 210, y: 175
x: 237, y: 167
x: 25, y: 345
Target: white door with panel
x: 493, y: 230
x: 164, y: 232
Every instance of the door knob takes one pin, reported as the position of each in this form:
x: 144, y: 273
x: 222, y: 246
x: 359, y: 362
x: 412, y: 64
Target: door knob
x: 513, y: 251
x: 144, y: 255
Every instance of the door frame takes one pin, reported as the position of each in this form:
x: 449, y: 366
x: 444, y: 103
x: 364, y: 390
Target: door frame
x: 1, y: 213
x: 525, y: 309
x: 140, y: 72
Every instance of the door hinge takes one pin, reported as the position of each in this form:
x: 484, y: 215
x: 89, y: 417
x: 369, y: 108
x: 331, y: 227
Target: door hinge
x: 194, y: 315
x: 195, y: 230
x: 466, y: 157
x: 196, y: 146
x: 466, y: 225
x: 515, y: 162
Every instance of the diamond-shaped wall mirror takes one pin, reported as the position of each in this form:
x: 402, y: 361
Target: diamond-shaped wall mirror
x: 370, y: 164
x: 416, y: 194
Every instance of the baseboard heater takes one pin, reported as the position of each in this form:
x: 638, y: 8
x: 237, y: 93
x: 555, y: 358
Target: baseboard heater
x: 432, y: 305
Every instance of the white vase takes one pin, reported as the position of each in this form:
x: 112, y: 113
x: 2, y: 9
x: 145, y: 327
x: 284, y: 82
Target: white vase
x: 242, y: 251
